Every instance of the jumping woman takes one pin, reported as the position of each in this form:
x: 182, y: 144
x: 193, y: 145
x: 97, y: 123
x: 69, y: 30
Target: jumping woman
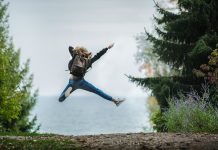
x: 81, y: 61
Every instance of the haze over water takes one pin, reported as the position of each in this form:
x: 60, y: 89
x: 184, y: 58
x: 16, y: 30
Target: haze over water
x: 91, y: 115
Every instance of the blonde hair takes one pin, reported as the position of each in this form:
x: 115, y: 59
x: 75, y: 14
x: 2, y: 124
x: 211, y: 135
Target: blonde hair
x: 84, y: 51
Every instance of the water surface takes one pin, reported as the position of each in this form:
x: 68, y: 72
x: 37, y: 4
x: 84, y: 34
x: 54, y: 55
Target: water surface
x: 90, y: 115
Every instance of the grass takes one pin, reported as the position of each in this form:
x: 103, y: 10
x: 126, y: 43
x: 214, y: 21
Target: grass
x: 24, y: 134
x: 35, y: 141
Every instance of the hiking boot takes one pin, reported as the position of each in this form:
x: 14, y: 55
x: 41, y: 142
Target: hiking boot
x: 118, y: 102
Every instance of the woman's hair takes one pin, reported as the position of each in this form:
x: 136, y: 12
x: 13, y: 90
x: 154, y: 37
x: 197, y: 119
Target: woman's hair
x: 84, y: 51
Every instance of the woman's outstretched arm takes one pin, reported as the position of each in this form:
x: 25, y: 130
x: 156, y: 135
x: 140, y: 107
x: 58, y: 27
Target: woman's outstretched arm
x: 99, y: 54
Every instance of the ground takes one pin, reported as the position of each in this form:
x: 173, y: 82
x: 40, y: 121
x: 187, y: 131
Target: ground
x: 129, y: 141
x: 135, y: 141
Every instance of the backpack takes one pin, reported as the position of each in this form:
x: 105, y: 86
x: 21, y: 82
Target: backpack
x: 78, y: 65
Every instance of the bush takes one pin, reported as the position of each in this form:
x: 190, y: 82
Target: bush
x: 155, y: 115
x: 191, y: 113
x: 158, y: 121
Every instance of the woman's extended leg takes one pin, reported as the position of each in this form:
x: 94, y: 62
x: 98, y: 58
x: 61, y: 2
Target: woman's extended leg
x: 67, y: 91
x: 91, y: 88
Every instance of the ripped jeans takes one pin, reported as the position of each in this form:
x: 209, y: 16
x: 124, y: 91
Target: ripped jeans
x: 82, y: 84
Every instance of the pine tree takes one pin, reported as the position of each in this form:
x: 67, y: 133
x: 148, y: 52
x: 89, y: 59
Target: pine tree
x: 16, y: 97
x: 186, y: 38
x: 183, y: 40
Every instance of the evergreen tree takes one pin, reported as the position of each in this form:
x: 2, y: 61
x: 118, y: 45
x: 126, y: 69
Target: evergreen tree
x: 186, y: 38
x: 16, y: 97
x: 183, y: 40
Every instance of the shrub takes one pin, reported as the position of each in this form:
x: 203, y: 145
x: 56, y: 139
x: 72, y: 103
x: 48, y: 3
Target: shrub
x: 191, y: 113
x: 159, y: 122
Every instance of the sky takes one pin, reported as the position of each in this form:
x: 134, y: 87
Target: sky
x: 43, y: 30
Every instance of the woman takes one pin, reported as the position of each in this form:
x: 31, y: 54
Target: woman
x: 76, y: 82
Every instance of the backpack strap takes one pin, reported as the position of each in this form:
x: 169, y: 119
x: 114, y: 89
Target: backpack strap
x: 87, y: 64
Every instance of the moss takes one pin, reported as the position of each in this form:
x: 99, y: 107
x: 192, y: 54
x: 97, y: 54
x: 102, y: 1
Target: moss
x: 35, y: 141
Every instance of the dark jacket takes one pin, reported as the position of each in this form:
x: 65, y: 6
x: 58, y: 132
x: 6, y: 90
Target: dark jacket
x: 93, y: 59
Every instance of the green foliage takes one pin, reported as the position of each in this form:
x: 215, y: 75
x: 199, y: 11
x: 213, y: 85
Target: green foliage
x: 159, y: 122
x: 209, y: 70
x: 186, y: 37
x: 214, y: 96
x: 38, y: 144
x: 183, y: 40
x: 165, y: 87
x: 191, y: 113
x: 16, y: 97
x: 36, y: 141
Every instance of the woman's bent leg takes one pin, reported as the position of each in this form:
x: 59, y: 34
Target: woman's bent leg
x: 91, y: 88
x: 67, y: 91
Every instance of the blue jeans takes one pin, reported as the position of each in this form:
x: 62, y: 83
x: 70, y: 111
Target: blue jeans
x: 82, y: 84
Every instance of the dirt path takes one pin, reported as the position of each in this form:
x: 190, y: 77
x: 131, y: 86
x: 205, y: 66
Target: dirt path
x: 135, y: 141
x: 138, y: 141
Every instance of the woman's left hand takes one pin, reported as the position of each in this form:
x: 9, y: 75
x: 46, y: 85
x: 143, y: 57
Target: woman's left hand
x: 110, y: 46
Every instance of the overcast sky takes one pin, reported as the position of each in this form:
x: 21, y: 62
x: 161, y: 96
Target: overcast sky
x: 43, y: 30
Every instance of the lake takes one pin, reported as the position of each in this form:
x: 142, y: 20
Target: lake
x: 80, y: 115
